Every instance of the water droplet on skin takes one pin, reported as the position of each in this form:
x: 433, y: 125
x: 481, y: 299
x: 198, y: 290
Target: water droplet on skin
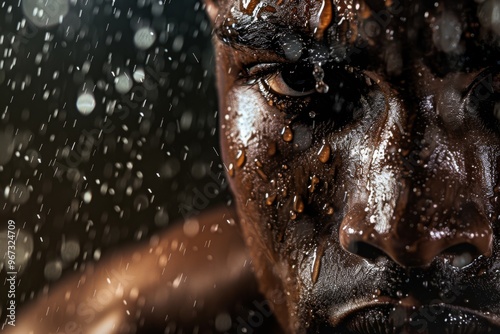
x: 271, y: 148
x: 298, y: 204
x: 324, y: 153
x: 270, y: 198
x: 328, y: 209
x: 230, y: 170
x: 287, y: 134
x: 293, y: 215
x: 312, y: 114
x: 240, y: 158
x: 399, y: 294
x: 314, y: 183
x: 318, y: 255
x: 261, y: 174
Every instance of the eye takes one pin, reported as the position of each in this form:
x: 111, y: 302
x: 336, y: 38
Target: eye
x: 484, y: 99
x: 293, y: 81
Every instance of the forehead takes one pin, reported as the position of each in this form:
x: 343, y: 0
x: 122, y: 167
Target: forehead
x: 460, y: 33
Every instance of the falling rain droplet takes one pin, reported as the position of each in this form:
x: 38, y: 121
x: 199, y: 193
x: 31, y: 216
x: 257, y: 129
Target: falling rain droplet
x: 123, y: 83
x: 85, y: 103
x: 144, y: 38
x: 139, y: 75
x: 319, y: 75
x: 53, y: 270
x: 70, y: 250
x: 287, y: 134
x: 324, y: 153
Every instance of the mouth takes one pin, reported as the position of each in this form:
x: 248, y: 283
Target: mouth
x: 390, y: 317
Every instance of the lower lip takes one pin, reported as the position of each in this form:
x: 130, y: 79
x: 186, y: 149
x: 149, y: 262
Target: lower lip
x: 430, y: 319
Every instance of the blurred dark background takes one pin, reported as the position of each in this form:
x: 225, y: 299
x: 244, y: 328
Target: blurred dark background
x: 107, y: 129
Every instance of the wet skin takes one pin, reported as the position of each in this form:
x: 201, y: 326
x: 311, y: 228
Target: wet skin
x: 372, y: 200
x: 362, y: 149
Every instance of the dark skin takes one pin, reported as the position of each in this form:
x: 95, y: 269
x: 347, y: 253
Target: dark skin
x: 362, y: 145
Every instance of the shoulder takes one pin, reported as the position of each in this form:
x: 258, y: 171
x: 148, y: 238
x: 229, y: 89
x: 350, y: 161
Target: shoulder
x: 196, y: 275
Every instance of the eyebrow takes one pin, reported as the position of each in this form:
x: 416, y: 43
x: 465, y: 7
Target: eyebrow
x: 257, y: 35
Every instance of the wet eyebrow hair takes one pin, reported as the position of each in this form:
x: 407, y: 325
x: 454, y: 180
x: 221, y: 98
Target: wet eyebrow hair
x: 257, y: 35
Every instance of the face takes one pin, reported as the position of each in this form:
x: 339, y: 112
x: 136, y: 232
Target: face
x: 362, y: 145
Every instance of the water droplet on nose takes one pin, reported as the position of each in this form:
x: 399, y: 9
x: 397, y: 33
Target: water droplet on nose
x: 287, y: 134
x: 298, y: 204
x: 240, y: 158
x: 324, y: 153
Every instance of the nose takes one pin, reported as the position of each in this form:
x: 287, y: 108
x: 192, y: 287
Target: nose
x: 461, y: 239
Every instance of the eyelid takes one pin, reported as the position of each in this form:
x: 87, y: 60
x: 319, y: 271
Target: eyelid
x: 278, y: 86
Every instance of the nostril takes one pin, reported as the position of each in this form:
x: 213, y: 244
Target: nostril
x: 365, y: 250
x: 462, y: 254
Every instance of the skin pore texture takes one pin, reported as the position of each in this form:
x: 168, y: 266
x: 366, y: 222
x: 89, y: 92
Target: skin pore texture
x: 362, y: 145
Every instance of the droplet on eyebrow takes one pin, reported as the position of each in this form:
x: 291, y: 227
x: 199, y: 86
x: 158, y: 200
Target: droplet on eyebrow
x: 319, y: 75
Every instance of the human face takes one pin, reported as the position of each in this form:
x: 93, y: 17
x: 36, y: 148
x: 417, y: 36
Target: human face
x: 362, y: 145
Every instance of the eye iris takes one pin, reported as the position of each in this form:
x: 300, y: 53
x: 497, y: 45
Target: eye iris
x: 299, y: 79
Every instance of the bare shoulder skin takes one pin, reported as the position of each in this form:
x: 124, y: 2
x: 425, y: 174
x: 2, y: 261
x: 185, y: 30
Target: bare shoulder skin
x: 185, y: 278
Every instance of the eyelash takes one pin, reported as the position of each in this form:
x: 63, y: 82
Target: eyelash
x: 258, y: 76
